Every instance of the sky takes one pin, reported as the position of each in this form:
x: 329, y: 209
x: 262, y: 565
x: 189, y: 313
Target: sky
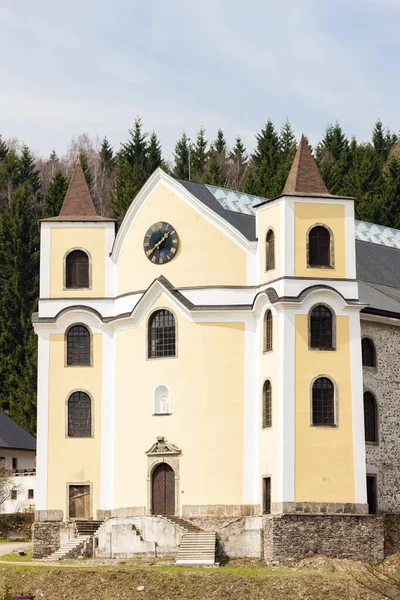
x: 95, y: 65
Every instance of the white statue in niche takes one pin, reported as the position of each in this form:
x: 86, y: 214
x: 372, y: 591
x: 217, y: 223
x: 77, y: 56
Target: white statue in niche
x: 163, y: 404
x: 161, y: 400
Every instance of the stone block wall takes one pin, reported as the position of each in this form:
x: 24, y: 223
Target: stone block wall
x: 288, y: 538
x: 383, y: 458
x: 45, y: 538
x: 220, y: 510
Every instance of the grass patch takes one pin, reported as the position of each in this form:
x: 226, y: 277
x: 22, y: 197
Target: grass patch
x: 13, y: 557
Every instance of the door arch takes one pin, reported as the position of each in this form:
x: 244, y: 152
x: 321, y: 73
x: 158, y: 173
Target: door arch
x: 163, y: 490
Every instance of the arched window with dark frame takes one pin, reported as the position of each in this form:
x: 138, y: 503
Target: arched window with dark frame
x: 270, y: 251
x: 321, y: 328
x: 78, y: 346
x: 323, y: 402
x: 368, y: 352
x: 79, y: 415
x: 370, y: 418
x: 268, y: 331
x: 77, y: 270
x: 319, y: 247
x: 267, y: 404
x: 161, y: 334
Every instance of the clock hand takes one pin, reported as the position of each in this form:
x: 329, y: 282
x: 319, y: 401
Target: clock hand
x: 150, y: 252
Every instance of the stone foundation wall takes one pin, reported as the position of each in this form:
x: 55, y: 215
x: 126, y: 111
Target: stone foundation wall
x: 212, y: 523
x: 242, y: 538
x: 319, y: 508
x: 45, y: 538
x: 289, y: 538
x: 383, y: 458
x: 220, y: 510
x: 391, y: 524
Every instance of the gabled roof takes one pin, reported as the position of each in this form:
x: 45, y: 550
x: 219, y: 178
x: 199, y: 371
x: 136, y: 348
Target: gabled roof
x: 78, y: 204
x: 13, y: 436
x: 304, y: 177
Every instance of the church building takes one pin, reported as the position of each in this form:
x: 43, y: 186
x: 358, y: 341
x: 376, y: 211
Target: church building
x: 221, y: 356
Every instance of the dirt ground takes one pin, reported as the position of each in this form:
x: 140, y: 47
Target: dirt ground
x: 312, y: 579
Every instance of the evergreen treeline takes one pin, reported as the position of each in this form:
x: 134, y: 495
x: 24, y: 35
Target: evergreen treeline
x: 33, y: 188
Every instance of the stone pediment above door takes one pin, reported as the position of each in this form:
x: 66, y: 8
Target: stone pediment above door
x: 163, y: 448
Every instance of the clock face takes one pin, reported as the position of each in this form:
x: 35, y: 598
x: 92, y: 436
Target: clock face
x: 160, y: 243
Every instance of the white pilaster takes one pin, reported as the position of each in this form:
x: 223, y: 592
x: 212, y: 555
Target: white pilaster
x: 360, y: 481
x: 107, y: 421
x: 251, y: 425
x: 286, y: 432
x: 45, y: 232
x: 42, y: 421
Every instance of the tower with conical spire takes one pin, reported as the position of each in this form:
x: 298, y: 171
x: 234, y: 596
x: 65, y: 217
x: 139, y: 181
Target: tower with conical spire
x: 78, y: 228
x: 306, y: 250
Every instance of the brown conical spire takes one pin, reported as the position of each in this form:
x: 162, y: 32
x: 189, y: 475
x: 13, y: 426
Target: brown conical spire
x: 78, y: 201
x: 304, y: 177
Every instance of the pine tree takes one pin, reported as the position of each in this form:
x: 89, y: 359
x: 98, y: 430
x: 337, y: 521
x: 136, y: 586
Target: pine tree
x: 238, y: 162
x: 19, y: 257
x: 9, y: 175
x: 199, y: 155
x: 55, y: 195
x: 106, y: 156
x: 333, y: 158
x: 27, y: 171
x: 287, y: 141
x: 382, y: 140
x: 220, y: 143
x: 267, y: 158
x: 131, y: 170
x: 181, y: 158
x: 154, y: 157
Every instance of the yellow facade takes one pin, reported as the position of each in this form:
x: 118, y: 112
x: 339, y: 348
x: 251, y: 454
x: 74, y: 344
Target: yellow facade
x: 206, y: 256
x: 63, y: 240
x: 206, y: 405
x: 324, y: 461
x: 307, y: 214
x: 216, y: 379
x: 73, y: 460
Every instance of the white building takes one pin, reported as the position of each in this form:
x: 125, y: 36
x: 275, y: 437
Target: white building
x: 18, y: 457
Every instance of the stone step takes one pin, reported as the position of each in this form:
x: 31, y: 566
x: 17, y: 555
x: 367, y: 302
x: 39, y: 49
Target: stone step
x: 197, y: 549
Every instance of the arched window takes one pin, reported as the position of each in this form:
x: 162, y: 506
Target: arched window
x: 268, y: 331
x: 323, y: 402
x: 370, y: 418
x: 78, y: 346
x: 267, y: 404
x: 321, y: 328
x: 161, y: 334
x: 270, y: 251
x: 319, y: 247
x: 77, y: 270
x: 368, y: 352
x: 79, y: 415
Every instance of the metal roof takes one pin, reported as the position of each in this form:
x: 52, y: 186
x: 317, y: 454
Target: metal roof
x: 13, y: 436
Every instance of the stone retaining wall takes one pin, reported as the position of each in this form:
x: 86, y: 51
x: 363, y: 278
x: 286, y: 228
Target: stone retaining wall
x: 289, y: 538
x: 45, y: 538
x: 220, y: 510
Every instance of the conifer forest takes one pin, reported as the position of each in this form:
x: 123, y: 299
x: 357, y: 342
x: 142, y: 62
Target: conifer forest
x: 33, y: 187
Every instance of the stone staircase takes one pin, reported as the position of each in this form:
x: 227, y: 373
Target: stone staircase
x: 197, y: 546
x: 85, y: 531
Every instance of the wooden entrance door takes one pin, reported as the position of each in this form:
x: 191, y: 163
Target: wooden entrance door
x: 79, y: 501
x: 163, y: 490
